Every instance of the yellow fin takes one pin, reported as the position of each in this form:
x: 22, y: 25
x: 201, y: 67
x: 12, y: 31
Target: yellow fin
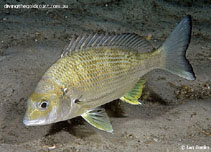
x: 133, y: 96
x: 98, y: 118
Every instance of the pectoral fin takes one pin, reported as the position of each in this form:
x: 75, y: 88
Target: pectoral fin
x: 133, y: 96
x: 98, y: 118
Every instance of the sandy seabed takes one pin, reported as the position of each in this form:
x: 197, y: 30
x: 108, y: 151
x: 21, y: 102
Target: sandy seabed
x: 175, y: 114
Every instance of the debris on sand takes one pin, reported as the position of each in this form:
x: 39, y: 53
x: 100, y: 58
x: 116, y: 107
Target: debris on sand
x: 186, y: 92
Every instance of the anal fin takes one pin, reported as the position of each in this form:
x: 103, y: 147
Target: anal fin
x: 98, y: 118
x: 133, y: 96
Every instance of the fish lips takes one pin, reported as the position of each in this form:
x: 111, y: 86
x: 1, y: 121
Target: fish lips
x: 28, y: 122
x: 52, y: 118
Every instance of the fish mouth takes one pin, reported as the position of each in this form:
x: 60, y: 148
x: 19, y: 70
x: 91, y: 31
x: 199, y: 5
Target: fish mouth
x: 28, y: 122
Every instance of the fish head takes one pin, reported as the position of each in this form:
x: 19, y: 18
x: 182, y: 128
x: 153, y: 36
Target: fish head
x: 41, y: 109
x: 45, y: 106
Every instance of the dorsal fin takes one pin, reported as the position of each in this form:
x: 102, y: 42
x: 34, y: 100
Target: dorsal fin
x: 126, y: 40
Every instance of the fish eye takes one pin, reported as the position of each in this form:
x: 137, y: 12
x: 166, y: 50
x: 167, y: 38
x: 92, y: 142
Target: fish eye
x: 43, y: 104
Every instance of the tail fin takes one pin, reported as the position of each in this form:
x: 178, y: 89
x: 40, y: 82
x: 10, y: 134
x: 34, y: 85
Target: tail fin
x: 174, y: 49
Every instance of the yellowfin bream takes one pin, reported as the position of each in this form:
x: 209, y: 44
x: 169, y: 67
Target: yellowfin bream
x: 97, y: 69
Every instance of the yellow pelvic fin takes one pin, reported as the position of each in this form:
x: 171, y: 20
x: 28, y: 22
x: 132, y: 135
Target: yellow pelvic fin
x: 133, y: 96
x: 98, y: 118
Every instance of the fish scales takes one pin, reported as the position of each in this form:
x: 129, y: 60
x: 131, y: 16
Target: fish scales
x: 95, y: 68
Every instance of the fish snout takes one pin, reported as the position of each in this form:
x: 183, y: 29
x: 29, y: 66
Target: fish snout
x: 28, y: 122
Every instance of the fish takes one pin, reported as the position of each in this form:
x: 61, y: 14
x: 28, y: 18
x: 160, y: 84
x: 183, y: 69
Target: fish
x: 97, y: 69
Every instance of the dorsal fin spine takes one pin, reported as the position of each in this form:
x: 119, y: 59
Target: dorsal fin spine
x: 131, y: 40
x: 80, y: 46
x: 96, y: 40
x: 128, y: 39
x: 124, y: 41
x: 91, y: 40
x: 134, y: 43
x: 108, y: 39
x: 117, y: 40
x: 102, y: 40
x: 75, y: 43
x: 84, y: 40
x: 87, y: 41
x: 113, y: 40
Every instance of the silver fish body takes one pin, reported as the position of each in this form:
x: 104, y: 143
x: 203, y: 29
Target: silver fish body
x: 95, y: 70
